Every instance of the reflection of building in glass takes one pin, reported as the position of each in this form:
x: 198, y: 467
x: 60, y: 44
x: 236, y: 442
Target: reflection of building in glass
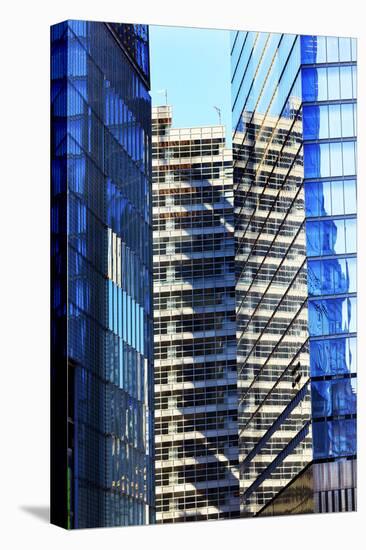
x: 102, y: 444
x: 294, y: 128
x: 196, y: 437
x: 329, y: 113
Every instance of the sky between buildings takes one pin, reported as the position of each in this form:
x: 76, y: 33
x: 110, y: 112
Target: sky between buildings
x: 193, y: 65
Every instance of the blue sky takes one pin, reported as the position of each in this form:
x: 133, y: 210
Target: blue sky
x: 194, y: 66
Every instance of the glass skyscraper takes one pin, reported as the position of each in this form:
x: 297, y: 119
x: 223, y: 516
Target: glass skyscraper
x: 102, y: 444
x: 196, y: 436
x: 294, y: 149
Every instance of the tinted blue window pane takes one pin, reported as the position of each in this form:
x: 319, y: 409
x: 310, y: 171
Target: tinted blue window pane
x: 316, y: 160
x: 349, y: 164
x: 326, y: 237
x: 346, y: 83
x: 331, y: 276
x: 333, y: 397
x: 309, y: 84
x: 332, y: 49
x: 336, y: 159
x: 312, y: 202
x: 325, y: 198
x: 334, y: 121
x: 311, y: 121
x: 313, y: 49
x: 333, y: 356
x: 332, y: 316
x: 337, y: 197
x: 333, y: 83
x: 347, y: 120
x: 351, y: 236
x: 354, y: 48
x: 354, y: 82
x: 344, y: 49
x: 333, y: 236
x: 314, y: 278
x: 350, y: 197
x: 334, y: 439
x: 313, y: 239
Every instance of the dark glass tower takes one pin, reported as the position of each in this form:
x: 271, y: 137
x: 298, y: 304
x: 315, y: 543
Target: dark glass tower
x: 102, y: 445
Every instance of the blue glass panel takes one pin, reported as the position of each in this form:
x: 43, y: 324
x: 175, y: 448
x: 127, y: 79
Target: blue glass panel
x: 314, y: 278
x: 347, y: 120
x: 128, y: 319
x: 349, y: 160
x: 333, y: 83
x: 110, y: 305
x: 334, y: 438
x: 312, y: 199
x: 124, y: 315
x: 309, y: 84
x: 337, y: 197
x: 332, y: 49
x: 316, y: 160
x: 351, y: 236
x: 120, y: 314
x: 315, y: 122
x: 313, y: 49
x: 350, y: 197
x: 332, y: 316
x: 335, y: 121
x: 142, y: 330
x: 346, y: 83
x: 333, y: 397
x: 336, y: 159
x: 344, y: 49
x: 354, y: 49
x: 333, y: 356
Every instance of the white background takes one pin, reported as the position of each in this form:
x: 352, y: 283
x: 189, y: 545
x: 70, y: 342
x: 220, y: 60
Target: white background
x: 24, y: 305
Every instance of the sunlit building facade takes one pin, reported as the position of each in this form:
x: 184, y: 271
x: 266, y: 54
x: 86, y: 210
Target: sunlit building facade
x: 102, y: 356
x: 196, y: 435
x: 293, y: 104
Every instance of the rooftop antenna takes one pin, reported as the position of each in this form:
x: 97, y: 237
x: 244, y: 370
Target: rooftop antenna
x: 218, y: 110
x: 165, y: 92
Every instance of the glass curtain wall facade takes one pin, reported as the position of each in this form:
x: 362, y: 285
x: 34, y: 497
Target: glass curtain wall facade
x: 328, y: 71
x: 102, y: 434
x: 295, y: 207
x: 271, y: 288
x: 196, y: 436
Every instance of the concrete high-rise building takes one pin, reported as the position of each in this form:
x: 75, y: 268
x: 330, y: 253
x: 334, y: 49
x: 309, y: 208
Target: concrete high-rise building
x: 196, y: 434
x: 294, y: 154
x: 102, y: 448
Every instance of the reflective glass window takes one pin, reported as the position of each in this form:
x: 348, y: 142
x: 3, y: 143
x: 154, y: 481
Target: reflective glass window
x: 349, y: 161
x: 344, y: 49
x: 333, y: 397
x: 336, y: 167
x: 335, y: 121
x: 351, y: 235
x: 332, y: 49
x: 314, y: 84
x: 334, y: 438
x: 333, y: 356
x: 332, y: 316
x: 331, y: 276
x: 316, y: 160
x: 326, y: 198
x: 346, y: 83
x: 350, y: 196
x: 354, y: 48
x: 337, y: 197
x: 313, y: 49
x: 347, y: 120
x: 333, y: 83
